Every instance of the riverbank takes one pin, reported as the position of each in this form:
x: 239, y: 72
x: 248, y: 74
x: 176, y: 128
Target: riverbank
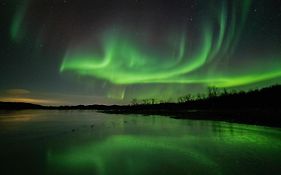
x: 247, y: 116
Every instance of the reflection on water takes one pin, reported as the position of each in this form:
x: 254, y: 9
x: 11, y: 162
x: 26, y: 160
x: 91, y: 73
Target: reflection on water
x: 86, y: 142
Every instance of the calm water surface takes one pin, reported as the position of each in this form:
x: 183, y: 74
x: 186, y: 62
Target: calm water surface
x: 86, y: 142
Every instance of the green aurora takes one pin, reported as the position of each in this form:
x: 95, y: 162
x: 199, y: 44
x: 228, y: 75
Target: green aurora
x: 17, y: 29
x: 124, y: 61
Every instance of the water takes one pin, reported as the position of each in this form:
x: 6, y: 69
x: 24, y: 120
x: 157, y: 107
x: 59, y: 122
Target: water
x: 86, y: 142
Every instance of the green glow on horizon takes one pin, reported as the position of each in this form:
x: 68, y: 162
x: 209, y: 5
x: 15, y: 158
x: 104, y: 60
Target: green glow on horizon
x: 223, y: 81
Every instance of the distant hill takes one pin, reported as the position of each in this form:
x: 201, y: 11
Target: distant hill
x: 22, y: 105
x: 18, y: 105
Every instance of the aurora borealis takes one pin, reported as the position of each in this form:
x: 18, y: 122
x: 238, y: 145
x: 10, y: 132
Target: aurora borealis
x: 81, y: 52
x: 125, y: 62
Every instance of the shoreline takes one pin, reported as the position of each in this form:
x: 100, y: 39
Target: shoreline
x: 245, y: 116
x: 260, y: 117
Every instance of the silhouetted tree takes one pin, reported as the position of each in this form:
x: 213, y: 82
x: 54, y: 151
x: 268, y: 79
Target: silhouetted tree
x: 212, y: 91
x: 145, y: 101
x: 200, y: 96
x: 225, y: 92
x: 181, y: 100
x: 134, y: 101
x: 187, y: 97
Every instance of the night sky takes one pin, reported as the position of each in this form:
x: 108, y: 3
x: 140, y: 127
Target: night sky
x: 55, y: 52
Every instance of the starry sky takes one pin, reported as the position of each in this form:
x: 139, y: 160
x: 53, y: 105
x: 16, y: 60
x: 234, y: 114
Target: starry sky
x: 65, y: 52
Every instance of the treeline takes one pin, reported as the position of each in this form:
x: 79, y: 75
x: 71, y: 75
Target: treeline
x: 215, y: 97
x: 211, y: 93
x: 259, y: 106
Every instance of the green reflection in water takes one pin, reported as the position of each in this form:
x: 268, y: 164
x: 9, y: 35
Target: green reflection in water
x: 167, y: 146
x: 135, y: 155
x: 64, y: 142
